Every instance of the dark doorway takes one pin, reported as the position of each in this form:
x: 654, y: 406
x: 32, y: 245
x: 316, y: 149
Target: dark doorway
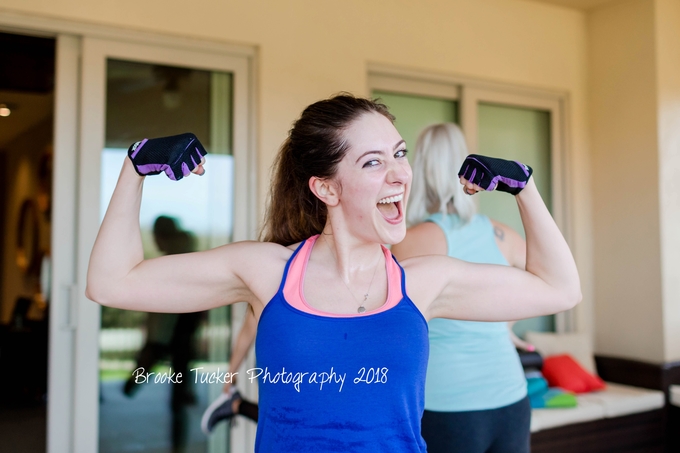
x: 26, y: 136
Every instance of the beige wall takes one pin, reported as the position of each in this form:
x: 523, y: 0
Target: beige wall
x: 625, y: 170
x: 635, y: 118
x: 668, y: 81
x: 309, y: 49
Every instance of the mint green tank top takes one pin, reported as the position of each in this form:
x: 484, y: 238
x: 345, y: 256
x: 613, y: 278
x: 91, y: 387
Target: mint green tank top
x: 473, y: 365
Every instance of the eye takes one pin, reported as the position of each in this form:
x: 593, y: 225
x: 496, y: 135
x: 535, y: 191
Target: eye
x: 401, y: 153
x: 371, y: 163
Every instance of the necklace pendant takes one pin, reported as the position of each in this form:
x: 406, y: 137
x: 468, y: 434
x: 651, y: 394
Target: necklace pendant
x: 361, y: 309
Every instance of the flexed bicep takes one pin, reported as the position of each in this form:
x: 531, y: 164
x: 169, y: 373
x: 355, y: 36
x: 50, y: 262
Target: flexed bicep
x: 489, y: 292
x: 119, y: 276
x: 180, y: 283
x: 549, y: 284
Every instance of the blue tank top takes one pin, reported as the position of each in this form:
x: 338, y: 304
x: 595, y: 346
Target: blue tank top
x: 473, y: 365
x: 340, y: 384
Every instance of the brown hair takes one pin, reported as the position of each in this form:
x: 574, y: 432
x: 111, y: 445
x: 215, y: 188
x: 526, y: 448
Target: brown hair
x: 314, y: 147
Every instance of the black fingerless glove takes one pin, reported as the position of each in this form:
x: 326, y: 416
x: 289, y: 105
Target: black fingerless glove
x: 177, y: 155
x: 491, y: 173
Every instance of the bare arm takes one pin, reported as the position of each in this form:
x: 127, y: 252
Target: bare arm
x: 514, y: 249
x: 428, y: 239
x: 244, y: 341
x: 450, y: 288
x: 517, y: 341
x: 118, y: 276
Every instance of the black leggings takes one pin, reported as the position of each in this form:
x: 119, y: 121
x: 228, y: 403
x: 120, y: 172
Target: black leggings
x: 249, y: 410
x: 502, y: 430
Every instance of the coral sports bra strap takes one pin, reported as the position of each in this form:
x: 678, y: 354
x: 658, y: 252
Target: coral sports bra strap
x: 294, y: 277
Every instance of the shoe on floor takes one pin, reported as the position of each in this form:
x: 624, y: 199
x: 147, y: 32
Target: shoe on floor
x: 220, y: 409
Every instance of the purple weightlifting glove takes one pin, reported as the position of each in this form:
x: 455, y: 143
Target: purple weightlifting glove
x: 491, y: 173
x: 177, y: 156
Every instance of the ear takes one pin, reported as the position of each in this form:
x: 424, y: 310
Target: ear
x: 325, y: 190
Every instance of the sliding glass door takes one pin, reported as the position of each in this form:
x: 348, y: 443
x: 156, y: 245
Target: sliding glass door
x: 131, y: 92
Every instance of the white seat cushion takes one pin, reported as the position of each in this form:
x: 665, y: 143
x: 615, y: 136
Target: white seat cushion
x: 552, y: 418
x: 619, y: 400
x: 615, y: 401
x: 675, y: 395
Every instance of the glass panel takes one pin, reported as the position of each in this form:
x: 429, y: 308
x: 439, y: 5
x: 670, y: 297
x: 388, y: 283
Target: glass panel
x: 414, y: 113
x: 146, y: 100
x: 524, y: 135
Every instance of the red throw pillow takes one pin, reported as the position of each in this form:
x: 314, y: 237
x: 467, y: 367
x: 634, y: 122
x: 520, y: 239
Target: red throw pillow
x: 565, y: 372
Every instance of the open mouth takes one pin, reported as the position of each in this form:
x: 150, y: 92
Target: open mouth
x: 391, y: 208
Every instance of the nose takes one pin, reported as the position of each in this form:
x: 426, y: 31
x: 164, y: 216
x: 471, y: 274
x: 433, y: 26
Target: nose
x: 399, y: 172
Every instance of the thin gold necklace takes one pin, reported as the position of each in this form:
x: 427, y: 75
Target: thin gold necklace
x: 361, y: 308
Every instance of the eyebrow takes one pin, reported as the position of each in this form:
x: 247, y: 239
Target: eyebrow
x: 399, y: 143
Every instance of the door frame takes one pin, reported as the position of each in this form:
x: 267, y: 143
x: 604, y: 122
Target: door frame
x: 470, y: 92
x: 73, y: 351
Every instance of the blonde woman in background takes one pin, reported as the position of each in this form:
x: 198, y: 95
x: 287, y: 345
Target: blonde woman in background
x: 475, y: 393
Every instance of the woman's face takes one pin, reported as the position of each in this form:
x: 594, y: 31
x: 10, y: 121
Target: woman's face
x: 375, y: 179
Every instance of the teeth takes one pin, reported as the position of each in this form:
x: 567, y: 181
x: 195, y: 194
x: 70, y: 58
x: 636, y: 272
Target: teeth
x: 393, y: 199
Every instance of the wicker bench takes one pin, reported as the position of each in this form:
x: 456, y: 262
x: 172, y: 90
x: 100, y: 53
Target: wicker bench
x: 630, y: 415
x: 620, y: 418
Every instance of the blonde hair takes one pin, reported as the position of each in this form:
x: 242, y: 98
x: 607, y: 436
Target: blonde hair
x: 440, y: 151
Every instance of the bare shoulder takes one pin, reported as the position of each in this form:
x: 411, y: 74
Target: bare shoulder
x: 426, y: 238
x: 428, y: 276
x: 257, y: 248
x: 259, y: 265
x: 256, y: 256
x: 511, y: 244
x: 501, y: 229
